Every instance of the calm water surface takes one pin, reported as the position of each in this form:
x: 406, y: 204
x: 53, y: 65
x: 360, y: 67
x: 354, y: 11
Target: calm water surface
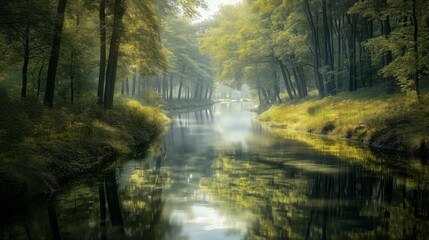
x: 219, y: 175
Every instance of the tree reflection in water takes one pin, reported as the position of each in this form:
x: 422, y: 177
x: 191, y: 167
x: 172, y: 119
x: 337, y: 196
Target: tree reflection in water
x: 328, y: 200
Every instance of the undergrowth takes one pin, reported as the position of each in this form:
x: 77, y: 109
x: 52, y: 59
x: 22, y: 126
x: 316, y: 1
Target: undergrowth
x: 41, y: 147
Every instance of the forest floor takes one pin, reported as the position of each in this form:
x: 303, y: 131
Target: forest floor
x: 42, y: 148
x: 391, y: 122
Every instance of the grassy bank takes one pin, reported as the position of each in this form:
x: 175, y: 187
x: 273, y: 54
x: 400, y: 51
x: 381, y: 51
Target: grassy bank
x: 394, y: 122
x: 42, y: 148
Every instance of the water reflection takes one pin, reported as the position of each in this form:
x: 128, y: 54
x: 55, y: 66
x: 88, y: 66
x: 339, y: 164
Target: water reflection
x: 219, y: 175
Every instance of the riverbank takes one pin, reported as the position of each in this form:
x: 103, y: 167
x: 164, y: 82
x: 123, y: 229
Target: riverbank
x: 393, y: 123
x: 184, y: 105
x: 41, y: 148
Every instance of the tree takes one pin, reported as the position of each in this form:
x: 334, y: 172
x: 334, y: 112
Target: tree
x: 102, y: 29
x: 25, y: 29
x: 405, y: 43
x: 55, y: 53
x: 148, y: 12
x: 112, y: 63
x: 316, y: 47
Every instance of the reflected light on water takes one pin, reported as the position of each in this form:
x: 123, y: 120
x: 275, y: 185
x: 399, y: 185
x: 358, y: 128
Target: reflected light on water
x: 313, y: 167
x: 202, y: 221
x: 233, y: 125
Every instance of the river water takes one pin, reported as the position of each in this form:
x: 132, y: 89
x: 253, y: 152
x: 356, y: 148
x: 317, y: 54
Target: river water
x: 219, y: 175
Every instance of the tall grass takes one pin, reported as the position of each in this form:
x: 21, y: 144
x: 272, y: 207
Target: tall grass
x: 391, y: 121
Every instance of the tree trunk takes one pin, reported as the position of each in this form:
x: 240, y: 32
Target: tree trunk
x: 211, y: 93
x: 315, y: 40
x: 158, y: 84
x: 300, y: 70
x: 206, y: 93
x: 201, y: 91
x: 181, y: 83
x: 327, y: 56
x: 72, y: 63
x: 285, y: 79
x: 102, y: 70
x: 289, y: 79
x: 26, y: 54
x: 127, y: 87
x: 265, y: 94
x: 352, y: 21
x: 112, y: 63
x: 171, y: 88
x: 39, y: 79
x: 180, y: 89
x: 416, y: 51
x: 299, y: 80
x: 72, y: 90
x: 369, y: 74
x: 133, y: 88
x: 340, y: 57
x: 196, y: 90
x: 164, y: 86
x: 387, y: 29
x: 55, y: 53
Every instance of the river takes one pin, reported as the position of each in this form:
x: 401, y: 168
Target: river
x: 219, y: 175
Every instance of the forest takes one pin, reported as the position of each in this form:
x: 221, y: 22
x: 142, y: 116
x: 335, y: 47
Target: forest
x: 89, y: 87
x: 330, y: 46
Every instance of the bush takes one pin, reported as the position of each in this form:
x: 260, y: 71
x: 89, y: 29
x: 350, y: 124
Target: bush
x: 152, y: 98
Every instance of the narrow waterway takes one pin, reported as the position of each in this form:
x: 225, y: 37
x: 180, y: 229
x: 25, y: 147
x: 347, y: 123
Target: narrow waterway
x: 219, y: 175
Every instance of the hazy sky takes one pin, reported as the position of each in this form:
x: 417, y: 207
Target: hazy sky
x: 213, y: 7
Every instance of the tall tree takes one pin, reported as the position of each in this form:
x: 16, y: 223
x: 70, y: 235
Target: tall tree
x: 119, y: 11
x: 55, y: 53
x: 24, y: 31
x: 26, y: 50
x: 316, y: 47
x: 102, y: 70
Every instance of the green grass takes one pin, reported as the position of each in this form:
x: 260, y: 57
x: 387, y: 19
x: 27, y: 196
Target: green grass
x: 40, y: 148
x: 391, y: 121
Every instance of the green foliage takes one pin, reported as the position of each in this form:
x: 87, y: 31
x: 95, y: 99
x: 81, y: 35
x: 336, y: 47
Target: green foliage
x: 410, y: 57
x: 152, y: 98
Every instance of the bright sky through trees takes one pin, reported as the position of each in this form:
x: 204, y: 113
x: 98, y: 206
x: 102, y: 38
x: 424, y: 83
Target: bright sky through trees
x: 213, y: 6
